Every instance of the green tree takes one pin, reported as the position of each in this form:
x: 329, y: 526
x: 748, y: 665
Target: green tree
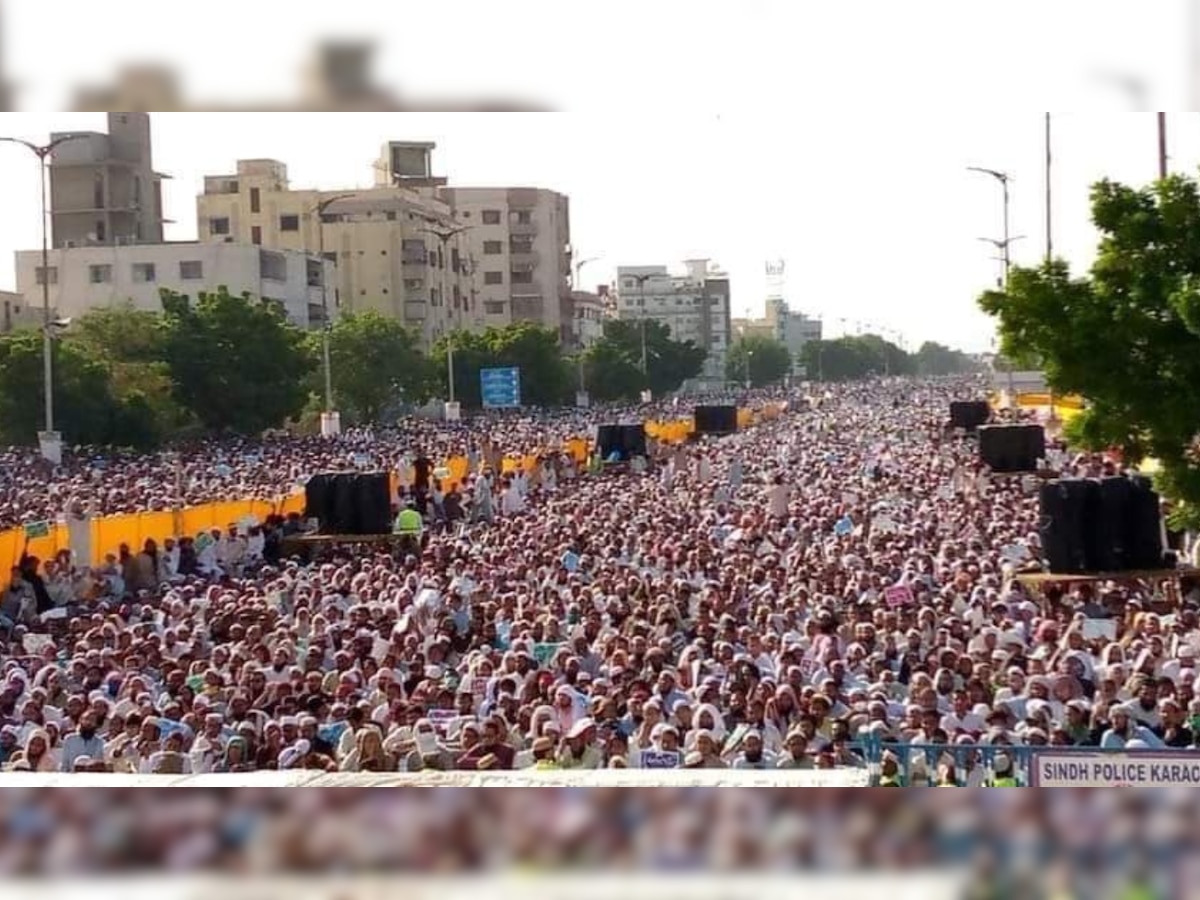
x: 545, y: 373
x: 1127, y: 336
x: 376, y: 363
x: 131, y: 345
x: 236, y: 363
x: 765, y: 359
x: 669, y: 363
x: 937, y: 359
x: 855, y: 356
x: 86, y: 410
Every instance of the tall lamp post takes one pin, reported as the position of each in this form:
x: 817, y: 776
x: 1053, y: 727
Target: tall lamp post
x: 331, y: 424
x: 641, y: 280
x: 749, y: 380
x: 444, y: 236
x: 1004, y: 244
x: 575, y: 285
x: 50, y: 440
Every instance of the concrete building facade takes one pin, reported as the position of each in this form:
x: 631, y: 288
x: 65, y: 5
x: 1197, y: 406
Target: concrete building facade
x: 520, y: 239
x: 103, y: 187
x: 791, y: 328
x: 588, y: 311
x: 16, y: 314
x: 387, y: 242
x: 85, y: 278
x: 695, y: 307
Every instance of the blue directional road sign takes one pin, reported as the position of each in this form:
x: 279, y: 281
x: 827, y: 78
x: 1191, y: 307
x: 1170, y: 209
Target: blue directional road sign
x: 500, y: 388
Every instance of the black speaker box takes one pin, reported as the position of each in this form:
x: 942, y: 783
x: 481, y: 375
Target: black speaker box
x: 1108, y: 525
x: 373, y: 491
x: 1012, y: 448
x: 1144, y: 517
x: 350, y: 502
x: 969, y: 414
x: 608, y: 439
x: 1067, y: 509
x: 633, y: 440
x: 716, y: 419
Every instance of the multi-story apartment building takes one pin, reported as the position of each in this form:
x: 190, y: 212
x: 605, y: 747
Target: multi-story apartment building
x: 588, y: 312
x: 791, y: 328
x: 86, y: 278
x: 520, y: 238
x: 695, y: 307
x: 399, y: 250
x: 103, y: 187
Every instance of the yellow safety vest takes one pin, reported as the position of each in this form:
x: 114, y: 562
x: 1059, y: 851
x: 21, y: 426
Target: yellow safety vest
x: 409, y: 523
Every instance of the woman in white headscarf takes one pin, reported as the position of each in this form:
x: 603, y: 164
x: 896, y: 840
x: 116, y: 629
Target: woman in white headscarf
x: 36, y: 753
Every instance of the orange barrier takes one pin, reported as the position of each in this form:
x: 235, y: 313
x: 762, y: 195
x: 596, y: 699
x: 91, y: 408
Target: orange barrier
x: 108, y: 533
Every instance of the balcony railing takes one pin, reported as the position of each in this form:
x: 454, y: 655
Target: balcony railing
x: 523, y: 229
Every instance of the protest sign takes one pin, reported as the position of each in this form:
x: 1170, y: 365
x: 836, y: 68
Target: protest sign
x: 659, y: 759
x: 1094, y: 629
x: 35, y: 530
x: 898, y: 595
x: 34, y: 644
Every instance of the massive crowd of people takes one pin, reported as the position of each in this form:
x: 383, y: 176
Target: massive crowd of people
x: 842, y: 574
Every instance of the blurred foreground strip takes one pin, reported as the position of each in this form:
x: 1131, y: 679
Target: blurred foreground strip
x: 933, y: 886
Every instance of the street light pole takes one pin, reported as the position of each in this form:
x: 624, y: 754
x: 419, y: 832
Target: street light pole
x: 641, y: 280
x: 444, y: 238
x: 749, y: 380
x: 51, y: 443
x: 330, y: 425
x: 1006, y: 258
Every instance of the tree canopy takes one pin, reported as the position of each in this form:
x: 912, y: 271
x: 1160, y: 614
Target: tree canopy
x: 545, y: 380
x: 765, y: 359
x: 613, y: 364
x: 1127, y: 335
x: 236, y: 362
x: 856, y: 356
x: 377, y: 364
x: 937, y: 359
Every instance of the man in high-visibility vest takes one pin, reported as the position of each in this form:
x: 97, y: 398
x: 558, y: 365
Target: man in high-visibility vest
x: 1004, y: 777
x: 409, y: 525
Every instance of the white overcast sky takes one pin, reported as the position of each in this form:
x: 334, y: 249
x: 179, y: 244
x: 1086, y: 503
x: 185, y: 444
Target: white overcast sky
x: 832, y: 135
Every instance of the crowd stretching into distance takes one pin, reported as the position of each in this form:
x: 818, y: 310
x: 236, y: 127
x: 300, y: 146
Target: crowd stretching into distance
x: 722, y: 604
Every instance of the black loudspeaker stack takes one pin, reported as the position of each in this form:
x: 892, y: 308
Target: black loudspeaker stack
x: 969, y: 414
x: 352, y: 503
x: 1012, y: 448
x: 1093, y: 525
x: 716, y: 419
x: 627, y: 441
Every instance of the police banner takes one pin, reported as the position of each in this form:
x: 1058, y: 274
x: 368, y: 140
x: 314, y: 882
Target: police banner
x: 1145, y: 768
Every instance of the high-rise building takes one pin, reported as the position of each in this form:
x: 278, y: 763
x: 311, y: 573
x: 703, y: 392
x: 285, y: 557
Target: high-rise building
x: 520, y: 239
x: 103, y: 187
x: 694, y: 307
x: 399, y: 251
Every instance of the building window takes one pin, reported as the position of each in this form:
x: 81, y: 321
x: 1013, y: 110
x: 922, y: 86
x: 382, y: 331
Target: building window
x: 491, y: 217
x: 41, y: 275
x: 143, y: 273
x: 520, y: 277
x: 493, y: 278
x: 455, y: 260
x: 521, y: 217
x: 98, y: 191
x: 493, y: 307
x: 101, y: 231
x: 493, y: 248
x: 391, y: 215
x: 413, y: 284
x: 289, y: 223
x: 272, y: 266
x: 255, y: 204
x: 99, y: 274
x: 191, y: 269
x: 256, y: 234
x: 218, y: 225
x: 520, y: 246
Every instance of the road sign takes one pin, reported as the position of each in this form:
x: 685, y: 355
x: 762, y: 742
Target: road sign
x: 500, y: 388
